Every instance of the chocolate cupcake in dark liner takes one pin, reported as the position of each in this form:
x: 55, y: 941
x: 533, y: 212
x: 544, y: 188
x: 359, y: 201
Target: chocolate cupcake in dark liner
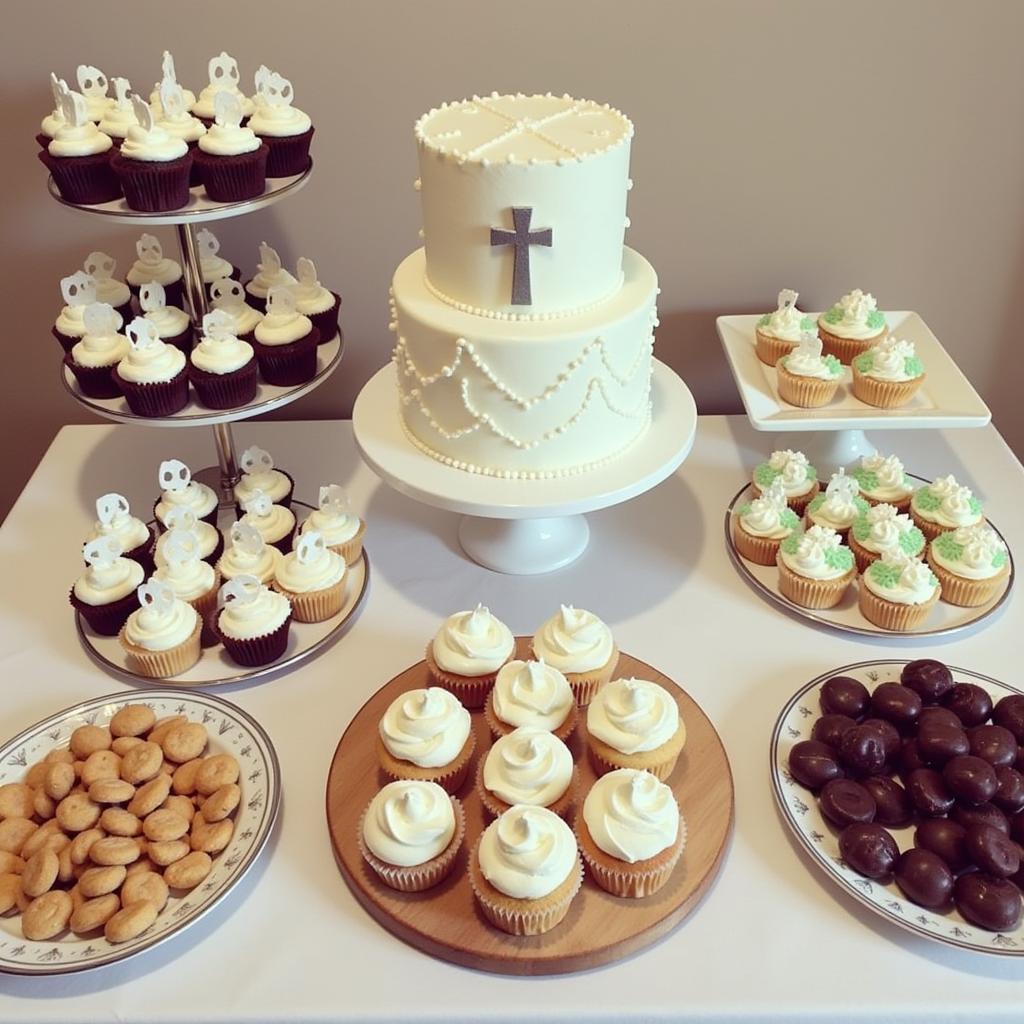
x: 289, y: 154
x: 287, y: 130
x: 85, y: 180
x: 156, y: 399
x: 256, y: 651
x: 107, y: 572
x: 94, y: 381
x: 172, y: 323
x: 312, y: 299
x: 222, y: 368
x: 285, y: 341
x: 93, y: 358
x: 153, y: 375
x: 105, y: 619
x: 270, y: 273
x: 78, y: 291
x: 152, y: 186
x: 259, y: 650
x: 232, y: 161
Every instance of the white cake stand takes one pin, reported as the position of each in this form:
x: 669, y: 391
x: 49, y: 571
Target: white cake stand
x: 523, y: 527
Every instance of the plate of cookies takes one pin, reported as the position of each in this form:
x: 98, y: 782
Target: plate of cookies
x: 874, y: 551
x: 123, y: 820
x: 902, y: 781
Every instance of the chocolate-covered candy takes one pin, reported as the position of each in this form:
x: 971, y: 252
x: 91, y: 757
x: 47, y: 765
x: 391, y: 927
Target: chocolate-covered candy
x: 1009, y: 713
x: 970, y: 779
x: 993, y: 851
x: 863, y: 750
x: 869, y: 849
x: 892, y: 805
x: 844, y: 802
x: 891, y: 738
x: 938, y: 716
x: 896, y: 703
x: 991, y: 903
x: 813, y: 764
x: 928, y: 678
x: 983, y: 814
x: 929, y: 793
x: 842, y: 695
x: 910, y: 757
x: 947, y: 839
x: 1009, y: 796
x: 936, y: 744
x: 829, y: 729
x: 993, y: 743
x: 970, y: 703
x: 924, y: 877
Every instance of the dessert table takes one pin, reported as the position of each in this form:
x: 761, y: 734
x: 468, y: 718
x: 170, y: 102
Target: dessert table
x: 772, y: 940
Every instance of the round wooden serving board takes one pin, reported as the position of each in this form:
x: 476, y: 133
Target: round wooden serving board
x: 599, y: 928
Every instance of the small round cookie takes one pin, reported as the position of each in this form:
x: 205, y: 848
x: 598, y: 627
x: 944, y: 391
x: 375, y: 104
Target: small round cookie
x: 162, y: 825
x: 167, y: 852
x: 16, y: 800
x: 184, y: 779
x: 76, y: 812
x: 130, y: 921
x: 116, y: 821
x: 211, y: 837
x: 218, y: 805
x: 89, y: 915
x: 87, y: 739
x: 99, y: 765
x: 59, y: 755
x: 188, y: 872
x: 14, y: 832
x: 142, y: 763
x: 11, y: 864
x: 44, y: 807
x: 114, y: 850
x: 214, y: 772
x: 65, y: 870
x: 180, y: 805
x: 40, y: 873
x: 81, y: 845
x: 47, y: 837
x: 132, y: 720
x: 159, y: 730
x: 111, y: 791
x: 47, y: 915
x: 58, y: 781
x: 98, y: 881
x: 184, y: 742
x: 150, y: 795
x: 123, y: 744
x: 145, y: 885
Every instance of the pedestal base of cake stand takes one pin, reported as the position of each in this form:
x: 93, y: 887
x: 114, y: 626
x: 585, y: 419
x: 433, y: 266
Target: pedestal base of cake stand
x: 524, y: 527
x: 828, y: 449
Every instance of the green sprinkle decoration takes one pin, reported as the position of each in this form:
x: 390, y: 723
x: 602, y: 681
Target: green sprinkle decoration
x: 999, y: 560
x: 876, y: 319
x: 868, y: 479
x: 975, y: 506
x: 743, y: 511
x: 840, y: 559
x: 816, y: 502
x: 807, y: 323
x: 791, y: 543
x: 834, y: 367
x: 912, y: 542
x: 884, y: 575
x: 764, y: 475
x: 789, y: 519
x: 947, y: 548
x: 834, y: 315
x: 861, y: 528
x: 765, y: 320
x: 925, y: 500
x: 864, y: 362
x: 913, y: 367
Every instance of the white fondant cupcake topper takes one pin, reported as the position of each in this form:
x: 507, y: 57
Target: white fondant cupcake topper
x: 227, y: 109
x: 244, y: 589
x: 256, y: 460
x: 143, y: 112
x: 172, y: 99
x: 149, y: 249
x: 110, y: 506
x: 102, y: 552
x: 333, y: 500
x: 57, y: 86
x: 219, y: 325
x: 156, y: 595
x: 91, y: 81
x: 181, y: 517
x: 167, y: 67
x: 174, y: 475
x: 809, y: 345
x: 247, y: 539
x: 152, y: 297
x: 259, y: 504
x: 273, y: 89
x: 142, y: 335
x: 100, y: 265
x: 181, y: 547
x: 73, y: 107
x: 270, y: 262
x: 775, y: 493
x: 305, y: 271
x: 223, y: 71
x: 787, y: 298
x: 79, y: 289
x: 227, y: 293
x: 208, y: 243
x: 280, y: 300
x: 843, y: 487
x: 101, y: 318
x: 310, y: 547
x: 122, y: 87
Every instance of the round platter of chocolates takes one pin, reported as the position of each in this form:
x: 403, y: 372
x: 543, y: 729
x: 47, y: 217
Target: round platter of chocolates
x: 904, y: 782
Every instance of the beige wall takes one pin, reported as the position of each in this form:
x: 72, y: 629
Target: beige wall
x: 815, y: 145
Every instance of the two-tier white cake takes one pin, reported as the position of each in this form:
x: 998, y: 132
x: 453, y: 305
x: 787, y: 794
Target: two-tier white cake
x: 525, y: 326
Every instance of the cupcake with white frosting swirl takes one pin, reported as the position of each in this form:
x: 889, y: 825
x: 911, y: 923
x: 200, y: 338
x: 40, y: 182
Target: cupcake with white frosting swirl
x: 527, y: 766
x: 525, y: 870
x: 630, y: 833
x: 944, y: 504
x: 411, y: 833
x: 883, y: 528
x: 285, y: 341
x: 805, y: 378
x: 897, y: 592
x: 581, y: 647
x: 815, y: 568
x: 971, y: 563
x: 343, y: 530
x: 426, y: 735
x: 232, y: 161
x: 840, y: 505
x: 531, y: 694
x: 285, y: 129
x: 102, y: 347
x: 104, y: 595
x: 312, y: 577
x: 275, y: 523
x: 635, y: 723
x: 889, y: 374
x: 222, y: 367
x: 467, y: 652
x: 852, y: 326
x: 248, y: 555
x: 883, y: 480
x: 799, y: 477
x: 161, y: 637
x: 760, y: 526
x: 153, y: 374
x: 778, y: 333
x: 253, y: 621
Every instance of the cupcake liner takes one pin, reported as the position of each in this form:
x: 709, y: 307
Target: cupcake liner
x: 899, y: 618
x: 224, y: 390
x: 417, y: 877
x: 157, y: 398
x: 619, y: 877
x: 174, y: 293
x: 182, y: 341
x: 494, y: 806
x: 863, y: 557
x: 87, y: 180
x: 472, y: 691
x: 287, y: 154
x: 284, y: 544
x: 230, y: 179
x: 315, y: 605
x: 154, y: 186
x: 67, y: 341
x: 847, y: 349
x: 106, y: 619
x: 804, y: 392
x: 254, y: 651
x: 288, y: 365
x: 499, y: 728
x: 798, y: 503
x: 450, y: 777
x: 585, y: 685
x: 884, y: 394
x: 326, y: 322
x: 352, y: 549
x: 161, y: 664
x: 143, y: 553
x: 660, y: 762
x: 523, y: 917
x: 759, y: 550
x: 812, y: 593
x: 927, y: 527
x: 964, y: 592
x: 770, y: 350
x: 94, y: 381
x: 43, y: 139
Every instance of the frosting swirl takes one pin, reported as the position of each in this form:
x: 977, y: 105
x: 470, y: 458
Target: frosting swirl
x: 150, y: 267
x: 768, y: 515
x: 152, y: 364
x: 202, y: 500
x: 157, y: 145
x: 71, y: 321
x: 325, y: 570
x: 633, y: 715
x: 798, y: 475
x: 237, y: 562
x: 312, y: 297
x: 228, y: 140
x: 208, y: 537
x: 189, y: 580
x: 973, y: 552
x: 104, y: 584
x: 277, y: 523
x: 204, y: 104
x: 885, y: 528
x: 214, y: 267
x: 855, y: 315
x: 817, y: 554
x: 574, y: 640
x: 840, y: 505
x: 891, y: 360
x: 155, y: 630
x: 336, y: 525
x: 246, y: 620
x: 78, y: 140
x: 117, y: 119
x: 279, y: 121
x: 409, y: 823
x: 631, y: 815
x: 786, y: 322
x: 169, y: 321
x: 883, y: 478
x: 129, y: 530
x: 104, y: 349
x: 112, y: 291
x: 222, y: 355
x: 282, y: 328
x: 958, y: 508
x: 472, y: 643
x: 427, y: 727
x: 272, y: 482
x: 901, y: 579
x: 533, y: 694
x: 267, y: 278
x: 528, y: 766
x: 182, y: 125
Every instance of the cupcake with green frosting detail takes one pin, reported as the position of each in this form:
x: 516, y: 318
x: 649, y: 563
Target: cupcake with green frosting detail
x: 883, y: 528
x: 972, y: 565
x: 799, y: 477
x: 852, y: 326
x: 883, y: 480
x: 815, y: 568
x: 898, y: 592
x: 778, y: 333
x: 944, y: 505
x: 805, y: 378
x: 889, y: 374
x: 760, y: 526
x: 839, y: 507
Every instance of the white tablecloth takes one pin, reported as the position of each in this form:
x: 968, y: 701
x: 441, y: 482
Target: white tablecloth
x: 771, y: 942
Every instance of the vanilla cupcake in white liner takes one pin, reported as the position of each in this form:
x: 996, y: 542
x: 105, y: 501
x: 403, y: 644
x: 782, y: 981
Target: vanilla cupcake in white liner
x: 815, y: 568
x: 883, y: 528
x: 778, y: 333
x: 525, y: 870
x: 851, y: 326
x: 527, y: 766
x: 101, y: 268
x: 467, y: 652
x: 78, y: 291
x: 259, y: 473
x: 248, y: 555
x: 284, y: 129
x: 581, y: 647
x: 104, y: 595
x: 179, y: 490
x: 883, y: 480
x: 222, y: 367
x: 312, y: 577
x: 888, y: 374
x: 342, y: 529
x: 228, y: 295
x: 114, y: 519
x: 173, y: 325
x: 153, y: 374
x: 275, y: 523
x: 209, y: 539
x: 426, y: 735
x: 168, y: 74
x: 92, y: 360
x: 635, y: 723
x: 252, y: 621
x: 269, y: 274
x: 805, y: 378
x: 840, y: 505
x: 95, y: 88
x: 312, y: 299
x: 152, y: 265
x: 223, y: 77
x: 799, y: 477
x: 285, y: 341
x: 118, y: 116
x: 534, y: 695
x: 971, y: 563
x: 944, y: 504
x: 760, y: 526
x: 184, y: 571
x: 411, y: 833
x: 898, y: 592
x: 630, y: 832
x: 161, y: 637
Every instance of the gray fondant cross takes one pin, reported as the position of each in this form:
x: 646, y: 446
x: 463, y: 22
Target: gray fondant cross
x: 521, y: 239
